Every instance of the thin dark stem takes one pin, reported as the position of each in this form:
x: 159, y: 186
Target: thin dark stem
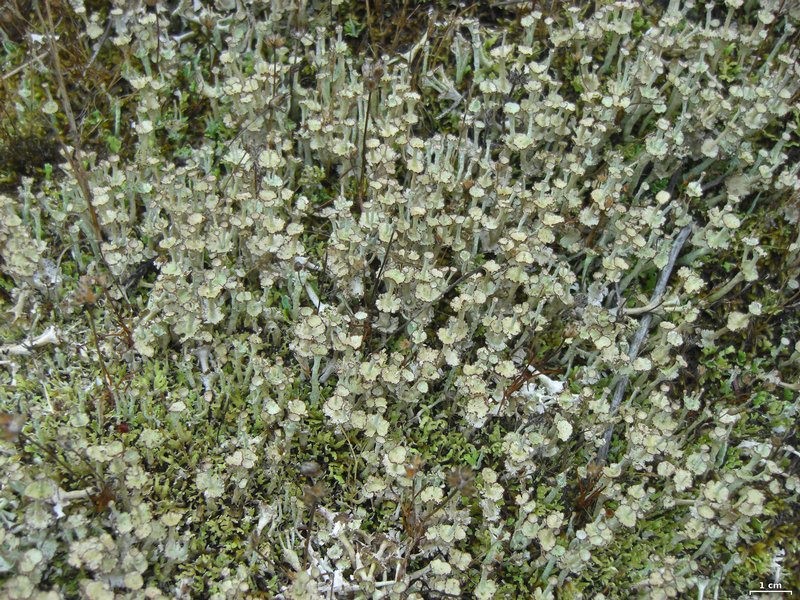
x: 362, y: 191
x: 120, y: 319
x: 74, y: 161
x: 109, y: 384
x: 377, y: 281
x: 421, y: 526
x: 309, y: 525
x: 75, y: 158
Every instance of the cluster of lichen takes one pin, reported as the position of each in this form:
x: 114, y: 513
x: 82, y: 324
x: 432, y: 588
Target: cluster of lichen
x: 501, y: 305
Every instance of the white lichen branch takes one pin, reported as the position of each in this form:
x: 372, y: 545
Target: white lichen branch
x: 641, y: 334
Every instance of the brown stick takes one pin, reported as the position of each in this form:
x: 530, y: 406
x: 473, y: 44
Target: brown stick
x: 74, y: 161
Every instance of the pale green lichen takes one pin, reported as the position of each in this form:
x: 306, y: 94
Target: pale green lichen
x: 294, y: 322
